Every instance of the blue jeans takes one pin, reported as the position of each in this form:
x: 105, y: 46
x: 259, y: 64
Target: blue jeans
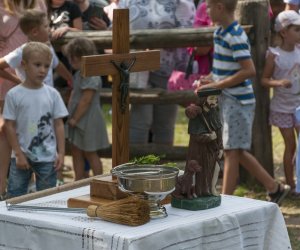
x: 18, y: 179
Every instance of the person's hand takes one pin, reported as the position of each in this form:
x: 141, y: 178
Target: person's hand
x: 21, y: 161
x: 59, y: 162
x: 209, y: 85
x: 202, y: 81
x: 205, y: 80
x: 192, y: 111
x: 17, y: 80
x: 285, y: 83
x: 59, y: 32
x: 97, y: 24
x: 72, y: 122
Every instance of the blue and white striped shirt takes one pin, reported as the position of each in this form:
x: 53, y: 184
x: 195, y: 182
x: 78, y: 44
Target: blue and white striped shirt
x: 230, y: 46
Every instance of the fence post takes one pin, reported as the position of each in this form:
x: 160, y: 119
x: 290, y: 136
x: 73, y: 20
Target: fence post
x: 255, y: 12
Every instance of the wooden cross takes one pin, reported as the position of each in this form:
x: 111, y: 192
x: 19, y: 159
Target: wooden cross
x: 114, y: 64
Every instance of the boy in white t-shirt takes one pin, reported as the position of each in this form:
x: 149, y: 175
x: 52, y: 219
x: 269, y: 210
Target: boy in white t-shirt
x: 33, y: 114
x: 35, y: 25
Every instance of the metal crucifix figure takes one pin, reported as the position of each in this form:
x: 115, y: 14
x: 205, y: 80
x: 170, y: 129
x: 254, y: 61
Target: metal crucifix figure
x: 124, y: 71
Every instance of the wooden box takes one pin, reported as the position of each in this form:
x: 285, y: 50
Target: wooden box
x: 107, y: 188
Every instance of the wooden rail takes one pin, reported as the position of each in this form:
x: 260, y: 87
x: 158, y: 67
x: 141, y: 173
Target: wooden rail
x: 153, y: 96
x: 150, y: 39
x: 147, y: 96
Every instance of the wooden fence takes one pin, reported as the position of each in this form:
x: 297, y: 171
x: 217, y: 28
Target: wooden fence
x: 253, y: 15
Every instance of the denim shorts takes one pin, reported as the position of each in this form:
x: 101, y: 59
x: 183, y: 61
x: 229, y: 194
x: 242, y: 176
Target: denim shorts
x: 19, y: 179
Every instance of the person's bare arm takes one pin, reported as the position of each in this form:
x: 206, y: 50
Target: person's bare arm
x: 10, y: 130
x: 97, y: 24
x: 64, y: 73
x: 289, y: 6
x: 267, y: 80
x: 247, y: 71
x: 83, y: 105
x: 60, y: 140
x: 77, y: 26
x: 7, y: 75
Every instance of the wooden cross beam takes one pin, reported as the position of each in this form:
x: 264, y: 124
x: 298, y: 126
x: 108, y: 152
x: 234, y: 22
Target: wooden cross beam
x: 119, y: 65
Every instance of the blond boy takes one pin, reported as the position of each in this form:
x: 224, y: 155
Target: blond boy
x: 33, y: 113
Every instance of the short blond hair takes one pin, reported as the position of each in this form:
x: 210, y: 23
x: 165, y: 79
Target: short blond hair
x: 36, y: 48
x: 230, y: 5
x: 31, y: 19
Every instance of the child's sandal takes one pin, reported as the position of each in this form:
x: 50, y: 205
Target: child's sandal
x: 280, y: 194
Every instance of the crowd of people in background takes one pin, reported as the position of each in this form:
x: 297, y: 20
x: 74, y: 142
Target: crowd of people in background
x: 29, y: 28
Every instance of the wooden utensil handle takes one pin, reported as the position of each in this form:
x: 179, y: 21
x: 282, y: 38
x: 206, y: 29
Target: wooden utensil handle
x: 92, y: 211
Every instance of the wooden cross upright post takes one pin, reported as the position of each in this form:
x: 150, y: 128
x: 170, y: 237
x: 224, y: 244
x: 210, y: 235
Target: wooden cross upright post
x: 119, y: 65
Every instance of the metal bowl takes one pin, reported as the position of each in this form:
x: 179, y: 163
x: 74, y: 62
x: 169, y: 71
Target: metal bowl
x: 150, y: 182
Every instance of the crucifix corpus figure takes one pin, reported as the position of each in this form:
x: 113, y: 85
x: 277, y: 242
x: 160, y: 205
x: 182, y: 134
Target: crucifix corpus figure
x: 124, y: 71
x: 120, y: 64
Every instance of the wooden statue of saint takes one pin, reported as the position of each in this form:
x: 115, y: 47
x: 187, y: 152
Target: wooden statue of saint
x: 205, y: 148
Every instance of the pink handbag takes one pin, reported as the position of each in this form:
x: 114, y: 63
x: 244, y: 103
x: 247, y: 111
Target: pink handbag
x: 179, y: 80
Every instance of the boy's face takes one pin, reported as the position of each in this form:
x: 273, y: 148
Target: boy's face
x: 213, y: 9
x: 41, y: 33
x: 36, y: 68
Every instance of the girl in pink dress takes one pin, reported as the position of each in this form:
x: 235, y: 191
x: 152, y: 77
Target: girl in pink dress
x: 11, y: 37
x: 203, y: 54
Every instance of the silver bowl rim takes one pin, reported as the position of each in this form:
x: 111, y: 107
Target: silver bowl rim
x: 118, y: 171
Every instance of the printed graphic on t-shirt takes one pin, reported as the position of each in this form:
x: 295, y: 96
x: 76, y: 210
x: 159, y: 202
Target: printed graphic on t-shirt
x: 60, y: 20
x: 45, y: 136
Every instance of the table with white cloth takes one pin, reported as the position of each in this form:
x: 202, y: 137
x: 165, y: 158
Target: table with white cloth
x: 239, y: 223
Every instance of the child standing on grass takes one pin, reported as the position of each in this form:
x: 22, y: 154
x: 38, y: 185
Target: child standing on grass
x: 86, y: 125
x: 232, y: 68
x: 33, y: 113
x: 34, y: 24
x: 11, y: 37
x: 282, y: 73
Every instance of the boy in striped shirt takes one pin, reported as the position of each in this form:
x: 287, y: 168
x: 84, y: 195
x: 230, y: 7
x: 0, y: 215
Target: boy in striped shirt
x: 231, y: 72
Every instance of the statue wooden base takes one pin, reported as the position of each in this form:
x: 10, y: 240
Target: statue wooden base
x: 201, y: 203
x: 103, y: 189
x: 106, y: 187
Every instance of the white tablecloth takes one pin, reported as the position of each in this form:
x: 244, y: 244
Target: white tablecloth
x: 239, y: 223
